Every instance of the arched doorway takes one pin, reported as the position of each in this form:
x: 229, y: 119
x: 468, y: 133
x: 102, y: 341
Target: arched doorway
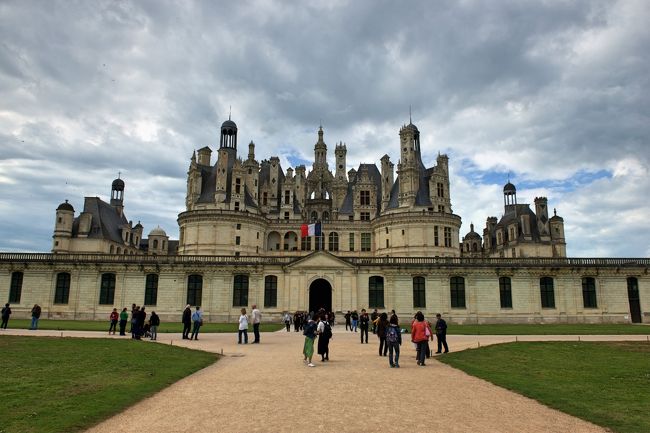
x: 320, y: 295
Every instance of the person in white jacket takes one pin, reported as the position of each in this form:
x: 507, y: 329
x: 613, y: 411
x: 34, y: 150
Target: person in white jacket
x: 243, y: 327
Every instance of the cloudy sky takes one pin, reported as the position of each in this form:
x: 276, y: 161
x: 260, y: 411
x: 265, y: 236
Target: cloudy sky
x: 554, y: 95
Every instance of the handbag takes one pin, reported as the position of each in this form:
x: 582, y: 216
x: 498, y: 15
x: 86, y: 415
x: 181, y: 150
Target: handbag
x: 427, y: 332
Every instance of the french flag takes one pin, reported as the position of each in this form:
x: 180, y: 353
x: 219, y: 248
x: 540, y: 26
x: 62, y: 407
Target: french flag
x: 310, y: 230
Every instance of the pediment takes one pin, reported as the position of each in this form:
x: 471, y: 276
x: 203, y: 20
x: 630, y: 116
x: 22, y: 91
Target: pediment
x: 320, y: 260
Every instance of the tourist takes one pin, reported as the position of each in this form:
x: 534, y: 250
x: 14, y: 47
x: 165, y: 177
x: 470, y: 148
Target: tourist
x: 36, y: 314
x: 296, y: 321
x: 6, y: 312
x: 135, y: 313
x: 187, y: 321
x: 132, y: 312
x: 392, y: 313
x: 142, y: 318
x: 154, y: 322
x: 243, y: 327
x: 364, y: 323
x: 124, y: 317
x: 420, y: 335
x: 348, y: 323
x: 113, y: 318
x: 382, y: 325
x: 373, y: 318
x: 330, y: 317
x: 310, y: 336
x: 256, y: 316
x: 197, y: 319
x: 324, y: 331
x: 355, y: 320
x: 441, y: 333
x: 286, y: 318
x: 393, y: 341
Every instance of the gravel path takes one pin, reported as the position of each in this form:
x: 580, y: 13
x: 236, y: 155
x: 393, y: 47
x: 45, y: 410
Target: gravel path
x: 267, y: 388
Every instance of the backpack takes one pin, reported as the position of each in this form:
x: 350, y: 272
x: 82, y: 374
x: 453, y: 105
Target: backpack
x: 391, y: 334
x: 327, y: 333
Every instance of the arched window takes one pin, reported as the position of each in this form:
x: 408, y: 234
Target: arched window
x: 107, y: 289
x: 505, y: 292
x: 333, y: 241
x: 270, y: 291
x: 589, y: 292
x: 305, y: 243
x: 62, y: 289
x: 419, y: 295
x: 155, y: 243
x: 376, y: 292
x: 326, y: 216
x: 546, y: 292
x: 240, y: 291
x: 194, y: 289
x: 112, y: 249
x: 475, y: 247
x: 16, y: 287
x: 314, y: 216
x: 457, y: 292
x: 151, y: 289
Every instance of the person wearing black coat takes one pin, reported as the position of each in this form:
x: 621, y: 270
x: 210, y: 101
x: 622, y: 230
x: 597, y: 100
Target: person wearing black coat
x: 441, y: 333
x: 187, y: 322
x: 154, y: 322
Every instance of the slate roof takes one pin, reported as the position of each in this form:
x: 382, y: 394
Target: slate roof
x: 105, y: 222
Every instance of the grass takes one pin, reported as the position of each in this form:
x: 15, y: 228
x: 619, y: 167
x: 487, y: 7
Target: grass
x: 548, y: 329
x: 68, y: 385
x: 604, y: 383
x: 98, y: 325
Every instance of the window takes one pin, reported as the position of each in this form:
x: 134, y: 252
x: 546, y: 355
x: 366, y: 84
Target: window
x: 237, y: 240
x: 505, y: 292
x: 589, y: 292
x: 287, y: 197
x: 286, y: 215
x: 365, y: 242
x: 270, y: 291
x: 436, y: 241
x: 236, y: 205
x: 107, y: 289
x: 240, y: 291
x: 237, y: 186
x: 351, y: 241
x: 305, y: 243
x: 265, y: 197
x: 318, y: 242
x: 447, y: 236
x: 151, y: 289
x: 350, y: 217
x: 441, y: 190
x: 457, y: 292
x: 441, y: 208
x: 194, y: 289
x: 155, y: 244
x: 364, y: 198
x: 514, y: 252
x: 365, y: 216
x: 16, y: 287
x: 546, y: 292
x: 387, y: 244
x: 238, y: 226
x: 376, y: 292
x: 62, y: 289
x: 386, y: 230
x: 333, y: 241
x: 419, y: 297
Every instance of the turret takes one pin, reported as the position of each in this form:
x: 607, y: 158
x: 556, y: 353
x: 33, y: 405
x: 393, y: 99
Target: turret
x: 205, y: 154
x: 340, y: 152
x: 386, y: 180
x: 407, y: 168
x: 117, y: 195
x: 63, y: 228
x: 541, y: 211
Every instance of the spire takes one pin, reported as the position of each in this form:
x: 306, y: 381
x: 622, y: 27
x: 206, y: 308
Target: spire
x: 229, y: 112
x: 410, y: 121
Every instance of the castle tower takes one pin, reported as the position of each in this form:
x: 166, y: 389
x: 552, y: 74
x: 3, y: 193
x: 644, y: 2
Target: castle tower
x: 117, y: 195
x: 408, y: 166
x: 340, y: 153
x: 228, y: 134
x: 509, y: 195
x: 541, y: 211
x: 556, y: 224
x: 386, y: 180
x: 63, y: 228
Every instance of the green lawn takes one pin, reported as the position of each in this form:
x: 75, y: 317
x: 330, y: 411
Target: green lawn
x: 68, y: 385
x: 94, y: 325
x: 605, y: 383
x: 549, y: 329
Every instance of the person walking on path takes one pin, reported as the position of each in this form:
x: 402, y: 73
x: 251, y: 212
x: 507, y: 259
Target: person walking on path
x: 256, y: 316
x: 364, y: 322
x: 187, y: 322
x: 113, y: 318
x: 142, y: 317
x: 6, y: 312
x: 243, y: 327
x: 382, y: 325
x: 441, y: 333
x: 36, y: 314
x: 124, y: 317
x: 420, y: 335
x: 348, y: 323
x: 287, y: 321
x: 373, y: 318
x: 310, y: 336
x: 133, y: 306
x: 197, y: 319
x: 324, y: 331
x: 355, y: 320
x: 393, y: 341
x: 154, y: 322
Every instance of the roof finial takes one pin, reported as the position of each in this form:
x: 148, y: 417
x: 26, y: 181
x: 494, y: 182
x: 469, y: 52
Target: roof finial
x: 119, y: 173
x: 229, y: 112
x: 410, y: 121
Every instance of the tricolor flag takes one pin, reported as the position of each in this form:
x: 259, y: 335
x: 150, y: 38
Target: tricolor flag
x: 310, y: 230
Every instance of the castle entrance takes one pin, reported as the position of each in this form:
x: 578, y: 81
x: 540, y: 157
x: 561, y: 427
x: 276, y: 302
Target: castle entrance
x: 320, y: 295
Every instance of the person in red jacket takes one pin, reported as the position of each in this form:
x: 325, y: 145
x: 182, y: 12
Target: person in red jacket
x: 114, y: 317
x: 420, y: 335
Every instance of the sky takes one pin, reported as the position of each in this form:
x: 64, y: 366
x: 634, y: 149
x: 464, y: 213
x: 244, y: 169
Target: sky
x: 551, y: 95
